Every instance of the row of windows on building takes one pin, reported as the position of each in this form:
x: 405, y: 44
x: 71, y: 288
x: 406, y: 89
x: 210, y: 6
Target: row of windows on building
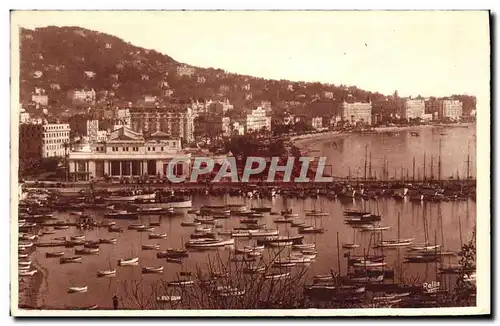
x: 55, y: 134
x: 53, y: 147
x: 133, y: 149
x: 57, y: 127
x: 53, y: 141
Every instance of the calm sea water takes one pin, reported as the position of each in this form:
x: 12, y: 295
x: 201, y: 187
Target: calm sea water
x: 346, y: 153
x: 442, y: 224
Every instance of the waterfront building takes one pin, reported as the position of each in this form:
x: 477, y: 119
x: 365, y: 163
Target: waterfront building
x: 357, y: 112
x: 413, y: 109
x: 317, y: 123
x: 83, y: 126
x: 257, y: 119
x: 175, y: 120
x: 128, y: 154
x: 42, y: 140
x: 452, y: 109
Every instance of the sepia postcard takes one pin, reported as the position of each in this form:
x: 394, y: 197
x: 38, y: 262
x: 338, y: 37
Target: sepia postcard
x: 250, y: 163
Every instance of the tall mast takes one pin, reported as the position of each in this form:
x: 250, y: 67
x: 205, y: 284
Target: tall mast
x: 468, y: 160
x: 432, y: 167
x: 424, y: 167
x: 439, y: 161
x: 370, y: 166
x: 413, y: 176
x: 366, y: 158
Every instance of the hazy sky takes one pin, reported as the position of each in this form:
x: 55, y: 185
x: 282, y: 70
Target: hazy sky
x: 426, y: 53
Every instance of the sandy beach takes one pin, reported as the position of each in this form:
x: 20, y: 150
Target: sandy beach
x: 31, y: 287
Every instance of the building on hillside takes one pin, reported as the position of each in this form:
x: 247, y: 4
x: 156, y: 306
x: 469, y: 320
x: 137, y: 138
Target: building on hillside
x: 451, y: 109
x: 24, y: 117
x: 42, y: 140
x: 288, y: 118
x: 175, y: 120
x: 185, y: 71
x: 357, y: 112
x: 328, y: 95
x: 82, y: 96
x: 208, y: 126
x: 128, y: 154
x: 413, y: 109
x: 257, y: 120
x: 201, y: 80
x: 40, y: 99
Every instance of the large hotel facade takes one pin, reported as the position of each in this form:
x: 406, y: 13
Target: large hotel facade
x: 128, y: 154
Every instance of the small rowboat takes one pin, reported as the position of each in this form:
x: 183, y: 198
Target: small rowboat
x: 157, y: 235
x: 158, y: 269
x: 27, y: 273
x: 136, y: 226
x: 151, y: 247
x: 181, y: 283
x: 86, y: 251
x: 190, y: 223
x: 369, y: 264
x: 154, y: 223
x: 46, y: 232
x: 61, y: 227
x: 168, y: 298
x: 174, y: 260
x: 146, y: 229
x: 68, y: 260
x: 350, y: 246
x: 91, y: 244
x: 114, y: 228
x: 24, y: 268
x: 23, y: 255
x: 109, y: 241
x: 108, y: 224
x: 128, y: 261
x: 106, y: 273
x: 77, y: 289
x: 78, y: 237
x: 25, y: 263
x: 254, y: 270
x: 276, y: 276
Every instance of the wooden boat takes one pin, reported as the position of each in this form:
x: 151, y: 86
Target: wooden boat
x: 86, y: 251
x: 77, y: 237
x: 225, y: 232
x: 27, y: 272
x: 241, y: 234
x: 204, y: 243
x: 68, y: 260
x: 369, y: 264
x: 77, y: 289
x: 393, y: 244
x: 107, y: 224
x: 115, y: 228
x: 174, y: 260
x: 168, y: 298
x: 135, y: 226
x: 425, y: 247
x: 374, y: 228
x: 282, y: 220
x: 316, y: 213
x: 195, y: 223
x: 23, y: 255
x: 350, y: 246
x: 150, y: 247
x: 128, y: 261
x: 26, y: 245
x: 202, y: 229
x: 275, y: 239
x: 158, y: 269
x: 122, y: 215
x: 108, y: 241
x: 91, y: 244
x: 25, y: 263
x: 47, y: 232
x: 103, y: 273
x: 177, y: 252
x: 310, y: 229
x: 146, y: 229
x: 155, y: 223
x: 54, y: 254
x: 422, y: 258
x: 27, y: 237
x: 302, y: 246
x: 263, y: 232
x: 157, y: 235
x: 297, y: 224
x: 276, y: 276
x: 279, y: 244
x: 254, y: 270
x: 180, y: 283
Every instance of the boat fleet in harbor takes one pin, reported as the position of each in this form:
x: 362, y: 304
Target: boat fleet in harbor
x: 262, y: 248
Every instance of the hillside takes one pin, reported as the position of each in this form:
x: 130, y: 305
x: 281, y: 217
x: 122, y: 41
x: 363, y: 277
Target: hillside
x: 60, y: 59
